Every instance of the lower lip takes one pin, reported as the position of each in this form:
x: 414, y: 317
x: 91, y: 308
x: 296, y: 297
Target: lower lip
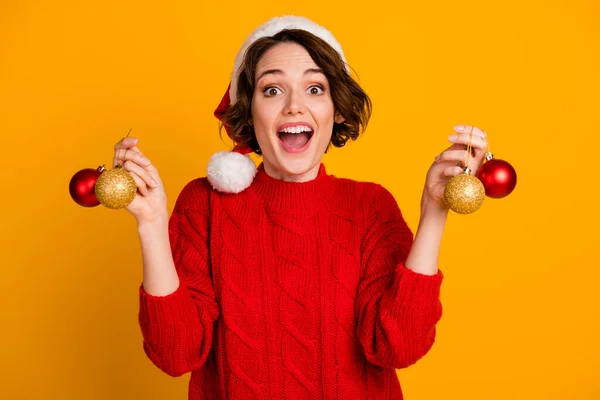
x: 293, y: 149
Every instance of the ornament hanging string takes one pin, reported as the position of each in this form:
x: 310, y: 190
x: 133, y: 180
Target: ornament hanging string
x: 469, y: 148
x: 124, y: 154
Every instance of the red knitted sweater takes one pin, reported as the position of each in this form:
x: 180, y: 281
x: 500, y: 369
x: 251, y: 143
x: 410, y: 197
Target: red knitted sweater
x: 291, y: 291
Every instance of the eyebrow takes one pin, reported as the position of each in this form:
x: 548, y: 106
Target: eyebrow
x: 309, y: 71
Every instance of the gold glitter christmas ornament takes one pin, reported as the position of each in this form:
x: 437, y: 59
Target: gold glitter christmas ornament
x: 115, y: 188
x: 464, y: 193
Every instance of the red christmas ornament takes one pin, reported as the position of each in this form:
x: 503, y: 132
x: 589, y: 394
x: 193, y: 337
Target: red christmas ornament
x: 499, y: 178
x: 82, y: 185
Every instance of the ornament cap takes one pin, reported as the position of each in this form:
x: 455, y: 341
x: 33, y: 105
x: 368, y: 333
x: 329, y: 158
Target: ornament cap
x: 101, y: 168
x: 489, y: 156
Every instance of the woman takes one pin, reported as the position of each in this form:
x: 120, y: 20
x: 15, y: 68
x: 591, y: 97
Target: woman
x: 286, y: 282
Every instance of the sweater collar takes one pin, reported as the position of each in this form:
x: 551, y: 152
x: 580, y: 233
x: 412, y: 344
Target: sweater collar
x: 293, y: 197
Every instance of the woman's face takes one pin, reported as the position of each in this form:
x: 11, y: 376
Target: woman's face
x: 292, y: 112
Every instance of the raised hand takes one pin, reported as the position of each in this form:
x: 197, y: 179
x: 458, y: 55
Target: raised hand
x: 451, y: 162
x: 150, y: 202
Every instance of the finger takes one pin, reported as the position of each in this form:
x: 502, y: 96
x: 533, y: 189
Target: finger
x: 479, y: 155
x: 126, y: 143
x: 452, y: 155
x: 134, y: 149
x: 139, y: 182
x: 452, y: 171
x: 477, y: 142
x: 470, y: 129
x: 129, y: 147
x: 141, y: 172
x: 122, y: 155
x: 479, y: 146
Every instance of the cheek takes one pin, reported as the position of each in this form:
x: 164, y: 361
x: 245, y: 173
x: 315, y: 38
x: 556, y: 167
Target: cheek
x: 263, y: 114
x: 325, y: 116
x: 323, y: 110
x: 325, y: 119
x: 262, y: 122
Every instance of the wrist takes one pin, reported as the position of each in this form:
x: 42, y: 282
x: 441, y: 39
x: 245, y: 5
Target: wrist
x: 432, y: 209
x: 156, y: 223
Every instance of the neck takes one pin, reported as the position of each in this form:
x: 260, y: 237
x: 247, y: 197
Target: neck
x: 293, y: 197
x: 280, y: 175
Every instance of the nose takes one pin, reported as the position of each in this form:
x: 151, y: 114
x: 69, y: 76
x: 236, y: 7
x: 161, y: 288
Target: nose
x: 294, y: 104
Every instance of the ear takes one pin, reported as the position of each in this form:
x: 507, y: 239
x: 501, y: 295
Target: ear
x: 338, y: 118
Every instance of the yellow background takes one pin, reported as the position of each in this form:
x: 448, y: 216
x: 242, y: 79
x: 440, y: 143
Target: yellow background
x: 521, y: 290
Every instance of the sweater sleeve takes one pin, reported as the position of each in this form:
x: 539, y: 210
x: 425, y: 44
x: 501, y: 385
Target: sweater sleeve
x: 177, y: 329
x: 397, y: 308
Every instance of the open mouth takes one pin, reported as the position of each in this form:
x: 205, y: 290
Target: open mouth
x: 295, y: 139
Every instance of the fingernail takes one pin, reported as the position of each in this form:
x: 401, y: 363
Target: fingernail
x: 437, y: 158
x: 459, y: 128
x: 153, y: 183
x: 452, y: 138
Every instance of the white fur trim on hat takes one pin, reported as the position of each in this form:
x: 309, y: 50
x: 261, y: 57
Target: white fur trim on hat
x: 272, y: 27
x: 230, y: 172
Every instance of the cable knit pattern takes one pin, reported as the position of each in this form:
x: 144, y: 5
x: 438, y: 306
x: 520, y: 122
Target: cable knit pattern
x: 241, y: 298
x: 293, y: 243
x: 291, y: 291
x: 344, y: 231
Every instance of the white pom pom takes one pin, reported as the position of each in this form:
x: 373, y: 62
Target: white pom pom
x: 230, y: 172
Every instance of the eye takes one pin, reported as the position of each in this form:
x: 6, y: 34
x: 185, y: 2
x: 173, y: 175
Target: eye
x: 316, y: 89
x: 271, y: 91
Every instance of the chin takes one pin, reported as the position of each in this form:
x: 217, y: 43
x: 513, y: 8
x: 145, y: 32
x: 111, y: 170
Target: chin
x: 296, y: 164
x: 294, y: 161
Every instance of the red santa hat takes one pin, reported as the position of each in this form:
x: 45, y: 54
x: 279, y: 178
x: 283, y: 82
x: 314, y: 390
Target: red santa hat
x: 233, y: 171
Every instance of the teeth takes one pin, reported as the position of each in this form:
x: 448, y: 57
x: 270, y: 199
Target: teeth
x: 296, y: 129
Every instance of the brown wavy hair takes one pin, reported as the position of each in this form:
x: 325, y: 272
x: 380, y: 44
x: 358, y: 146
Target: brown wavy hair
x: 349, y: 99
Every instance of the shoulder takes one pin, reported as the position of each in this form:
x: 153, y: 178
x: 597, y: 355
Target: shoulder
x: 365, y: 193
x: 371, y: 201
x: 378, y: 213
x: 374, y: 202
x: 194, y: 195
